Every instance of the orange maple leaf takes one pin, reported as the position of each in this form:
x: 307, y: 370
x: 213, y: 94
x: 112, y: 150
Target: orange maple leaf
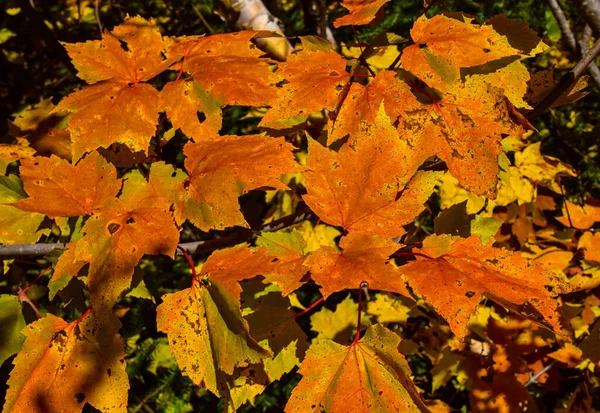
x: 219, y: 171
x: 361, y: 12
x: 446, y: 43
x: 116, y: 238
x: 63, y: 366
x: 225, y: 69
x: 368, y: 376
x: 363, y: 258
x: 460, y: 271
x: 117, y: 107
x: 359, y: 187
x: 59, y: 189
x: 362, y: 103
x: 315, y: 77
x: 464, y: 129
x: 204, y: 324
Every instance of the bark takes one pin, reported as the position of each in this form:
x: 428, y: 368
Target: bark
x: 590, y: 11
x: 253, y: 14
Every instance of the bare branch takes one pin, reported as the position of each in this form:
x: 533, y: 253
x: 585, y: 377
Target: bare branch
x: 590, y: 11
x: 575, y: 48
x: 566, y: 82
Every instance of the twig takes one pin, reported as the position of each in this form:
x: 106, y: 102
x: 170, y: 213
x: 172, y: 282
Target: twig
x: 565, y: 83
x: 236, y: 237
x: 533, y: 379
x: 97, y: 13
x: 575, y: 48
x: 208, y: 26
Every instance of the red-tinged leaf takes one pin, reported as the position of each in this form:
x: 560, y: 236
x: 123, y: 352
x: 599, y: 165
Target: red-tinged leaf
x: 363, y: 258
x: 220, y: 171
x: 204, y: 323
x: 361, y: 12
x: 360, y: 187
x: 461, y: 271
x: 117, y: 107
x: 368, y: 376
x: 59, y: 189
x: 64, y: 365
x: 362, y: 104
x: 315, y: 78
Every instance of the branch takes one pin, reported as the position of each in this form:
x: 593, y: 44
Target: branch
x: 574, y: 47
x: 196, y: 247
x: 590, y: 11
x: 253, y: 14
x: 566, y: 82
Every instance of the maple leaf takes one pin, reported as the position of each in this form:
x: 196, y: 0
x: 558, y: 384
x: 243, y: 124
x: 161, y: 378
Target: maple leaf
x: 16, y: 226
x: 363, y: 102
x: 116, y: 107
x: 204, y: 323
x: 361, y: 12
x: 225, y: 69
x: 363, y: 258
x: 315, y: 77
x: 11, y: 324
x: 590, y: 243
x: 11, y: 153
x: 369, y: 375
x: 464, y: 129
x: 219, y: 171
x: 59, y: 189
x: 359, y: 187
x: 460, y: 271
x: 290, y: 249
x: 446, y: 43
x: 41, y: 130
x: 580, y: 216
x: 64, y: 365
x: 273, y: 325
x: 116, y: 238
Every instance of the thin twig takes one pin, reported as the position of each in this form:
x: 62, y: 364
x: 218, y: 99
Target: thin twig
x: 208, y: 26
x: 533, y: 379
x: 97, y: 13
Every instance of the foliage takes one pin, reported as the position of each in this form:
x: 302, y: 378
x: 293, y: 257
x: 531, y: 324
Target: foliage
x: 396, y: 191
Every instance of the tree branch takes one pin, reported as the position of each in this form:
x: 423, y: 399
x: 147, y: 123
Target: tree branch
x: 196, y: 247
x: 590, y: 11
x: 574, y: 47
x: 566, y: 82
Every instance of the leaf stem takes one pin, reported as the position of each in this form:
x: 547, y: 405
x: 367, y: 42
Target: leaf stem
x: 357, y: 336
x: 410, y: 254
x: 306, y: 310
x: 37, y: 278
x: 190, y: 262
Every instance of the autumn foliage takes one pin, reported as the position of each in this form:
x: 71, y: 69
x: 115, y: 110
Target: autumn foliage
x: 358, y: 155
